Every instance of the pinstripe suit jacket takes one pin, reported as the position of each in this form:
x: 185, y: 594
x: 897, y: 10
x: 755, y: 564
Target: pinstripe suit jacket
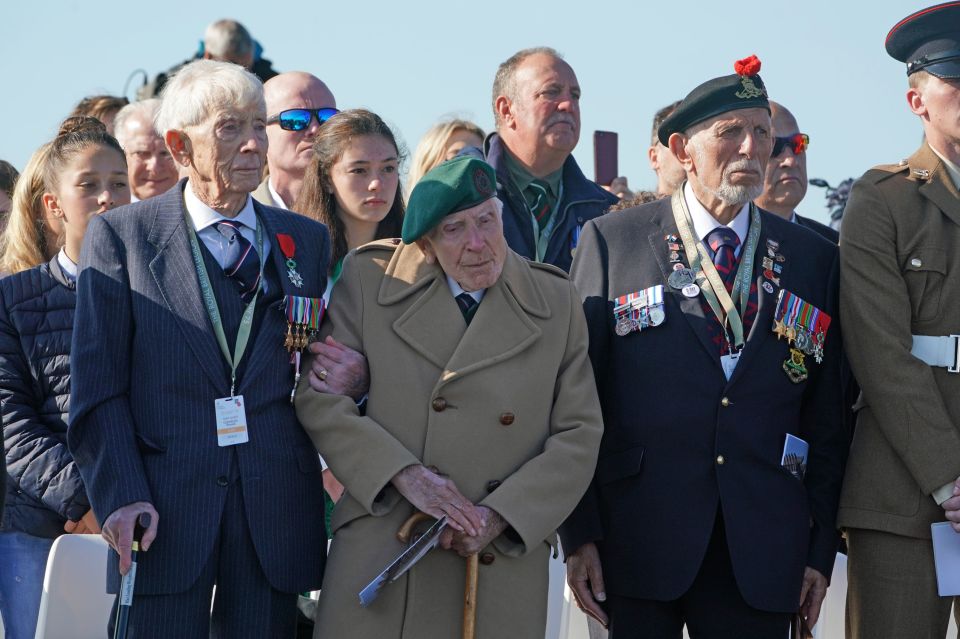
x: 146, y: 371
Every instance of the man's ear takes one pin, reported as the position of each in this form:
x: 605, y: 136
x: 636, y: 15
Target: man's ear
x: 654, y: 158
x: 915, y: 101
x: 429, y: 255
x: 178, y: 143
x: 679, y: 145
x: 504, y: 109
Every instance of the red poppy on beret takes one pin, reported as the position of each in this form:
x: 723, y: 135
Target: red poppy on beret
x: 747, y: 66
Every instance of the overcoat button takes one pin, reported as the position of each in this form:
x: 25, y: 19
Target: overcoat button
x: 724, y: 402
x: 439, y: 404
x: 506, y: 419
x: 916, y: 262
x: 487, y: 558
x: 222, y: 481
x: 720, y: 460
x: 493, y: 484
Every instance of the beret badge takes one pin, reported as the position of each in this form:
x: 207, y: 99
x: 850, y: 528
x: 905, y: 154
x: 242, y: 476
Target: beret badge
x: 482, y: 183
x: 746, y: 69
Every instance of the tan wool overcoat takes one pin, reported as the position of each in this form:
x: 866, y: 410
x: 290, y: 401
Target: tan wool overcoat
x: 506, y: 407
x: 900, y: 276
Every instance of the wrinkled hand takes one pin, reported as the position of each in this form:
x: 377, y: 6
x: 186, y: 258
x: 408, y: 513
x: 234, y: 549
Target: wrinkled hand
x: 491, y: 525
x: 338, y: 370
x: 118, y: 530
x: 620, y: 188
x: 951, y: 507
x: 333, y: 487
x: 86, y: 525
x: 438, y: 497
x: 585, y: 577
x: 811, y: 595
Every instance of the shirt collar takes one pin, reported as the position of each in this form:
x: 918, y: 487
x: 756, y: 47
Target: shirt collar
x: 276, y: 196
x: 952, y: 169
x: 204, y: 216
x: 68, y: 266
x: 703, y: 222
x: 522, y: 178
x: 456, y: 290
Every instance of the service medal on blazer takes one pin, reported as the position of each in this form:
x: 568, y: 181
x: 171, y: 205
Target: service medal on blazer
x: 805, y: 328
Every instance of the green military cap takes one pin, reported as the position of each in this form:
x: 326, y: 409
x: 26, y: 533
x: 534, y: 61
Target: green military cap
x: 455, y: 185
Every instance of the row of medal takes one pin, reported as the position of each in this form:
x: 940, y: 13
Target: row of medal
x: 682, y: 278
x: 639, y: 310
x: 304, y: 315
x: 805, y: 328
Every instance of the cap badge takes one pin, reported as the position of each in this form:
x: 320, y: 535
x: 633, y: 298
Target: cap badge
x: 482, y: 183
x: 746, y: 69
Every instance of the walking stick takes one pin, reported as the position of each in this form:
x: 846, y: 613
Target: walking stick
x: 129, y: 580
x: 404, y: 535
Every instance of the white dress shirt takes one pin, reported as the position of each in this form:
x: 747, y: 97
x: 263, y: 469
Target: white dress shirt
x: 276, y: 196
x: 703, y: 222
x: 68, y: 266
x: 456, y: 289
x: 205, y: 218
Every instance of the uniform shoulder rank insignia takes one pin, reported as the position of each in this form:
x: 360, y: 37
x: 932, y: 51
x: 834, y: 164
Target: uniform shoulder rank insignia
x: 805, y: 328
x: 639, y: 310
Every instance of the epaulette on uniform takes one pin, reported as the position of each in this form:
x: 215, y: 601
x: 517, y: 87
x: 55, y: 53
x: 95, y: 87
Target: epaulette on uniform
x: 389, y: 244
x: 550, y: 268
x: 880, y: 173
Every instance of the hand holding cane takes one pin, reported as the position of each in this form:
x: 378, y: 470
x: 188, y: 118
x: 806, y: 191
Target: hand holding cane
x: 129, y: 579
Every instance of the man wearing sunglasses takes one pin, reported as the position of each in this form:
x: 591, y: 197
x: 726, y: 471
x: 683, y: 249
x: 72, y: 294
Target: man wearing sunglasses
x: 297, y: 105
x: 785, y: 181
x: 899, y: 296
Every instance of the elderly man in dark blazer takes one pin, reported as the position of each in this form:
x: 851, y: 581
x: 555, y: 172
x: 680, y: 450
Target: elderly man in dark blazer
x: 715, y: 345
x: 900, y: 296
x: 181, y: 407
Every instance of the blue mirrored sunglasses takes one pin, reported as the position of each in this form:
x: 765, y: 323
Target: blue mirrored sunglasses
x: 299, y: 119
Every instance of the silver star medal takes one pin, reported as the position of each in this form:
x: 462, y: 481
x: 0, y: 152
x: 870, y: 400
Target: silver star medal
x: 295, y: 278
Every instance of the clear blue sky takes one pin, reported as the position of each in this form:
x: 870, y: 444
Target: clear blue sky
x: 416, y: 61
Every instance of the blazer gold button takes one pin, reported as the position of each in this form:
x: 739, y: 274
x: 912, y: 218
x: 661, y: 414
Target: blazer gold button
x: 724, y: 402
x: 487, y: 558
x: 439, y: 404
x: 916, y: 262
x: 506, y: 419
x: 720, y: 460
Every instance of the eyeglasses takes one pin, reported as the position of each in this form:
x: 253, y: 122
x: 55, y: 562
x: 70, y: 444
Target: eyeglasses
x: 798, y: 143
x: 299, y: 119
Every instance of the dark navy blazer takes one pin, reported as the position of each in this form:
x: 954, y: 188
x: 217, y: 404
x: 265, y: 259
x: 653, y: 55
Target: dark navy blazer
x: 670, y: 414
x: 146, y: 371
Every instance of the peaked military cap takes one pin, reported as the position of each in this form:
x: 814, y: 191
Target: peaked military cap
x: 742, y: 90
x: 455, y: 185
x: 928, y: 40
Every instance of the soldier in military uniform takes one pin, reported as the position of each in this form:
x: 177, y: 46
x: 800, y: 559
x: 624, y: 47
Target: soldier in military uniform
x: 901, y: 312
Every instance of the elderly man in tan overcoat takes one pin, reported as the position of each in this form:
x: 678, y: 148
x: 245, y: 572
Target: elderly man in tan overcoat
x: 485, y: 413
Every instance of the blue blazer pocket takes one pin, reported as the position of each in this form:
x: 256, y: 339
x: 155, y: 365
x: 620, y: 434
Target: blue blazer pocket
x: 619, y: 465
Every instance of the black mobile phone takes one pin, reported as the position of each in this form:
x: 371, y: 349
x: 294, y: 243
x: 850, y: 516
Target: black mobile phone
x: 605, y: 157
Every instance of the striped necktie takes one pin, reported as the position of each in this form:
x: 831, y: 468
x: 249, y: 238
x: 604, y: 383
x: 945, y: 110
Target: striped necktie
x: 540, y: 208
x: 241, y: 261
x: 723, y: 241
x: 468, y: 306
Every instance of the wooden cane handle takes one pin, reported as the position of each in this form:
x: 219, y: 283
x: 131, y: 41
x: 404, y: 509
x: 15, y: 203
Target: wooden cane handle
x: 470, y: 597
x: 406, y: 530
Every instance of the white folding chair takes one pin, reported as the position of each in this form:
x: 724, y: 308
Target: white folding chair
x: 75, y: 603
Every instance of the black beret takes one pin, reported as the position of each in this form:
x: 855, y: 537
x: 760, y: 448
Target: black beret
x: 742, y: 90
x: 451, y: 187
x: 928, y: 40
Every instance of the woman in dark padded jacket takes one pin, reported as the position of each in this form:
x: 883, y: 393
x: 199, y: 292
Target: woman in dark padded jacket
x: 85, y: 175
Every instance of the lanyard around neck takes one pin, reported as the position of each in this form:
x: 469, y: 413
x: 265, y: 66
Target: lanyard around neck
x: 720, y: 302
x: 213, y: 311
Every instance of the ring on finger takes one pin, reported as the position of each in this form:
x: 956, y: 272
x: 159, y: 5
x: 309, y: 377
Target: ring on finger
x: 322, y: 374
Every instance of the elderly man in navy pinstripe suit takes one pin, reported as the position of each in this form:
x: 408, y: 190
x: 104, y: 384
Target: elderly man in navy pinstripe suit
x: 178, y: 323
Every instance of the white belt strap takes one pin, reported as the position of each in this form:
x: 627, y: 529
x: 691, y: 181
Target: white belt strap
x: 938, y: 351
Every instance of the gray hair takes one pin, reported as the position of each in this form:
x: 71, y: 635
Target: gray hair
x: 147, y: 109
x: 203, y: 87
x: 504, y: 82
x: 227, y: 40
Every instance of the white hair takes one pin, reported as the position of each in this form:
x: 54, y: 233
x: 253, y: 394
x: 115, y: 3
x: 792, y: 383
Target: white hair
x: 227, y: 39
x: 202, y: 88
x: 148, y: 109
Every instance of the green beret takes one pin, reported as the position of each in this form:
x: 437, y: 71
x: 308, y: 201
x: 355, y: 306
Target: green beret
x: 742, y: 90
x: 451, y: 187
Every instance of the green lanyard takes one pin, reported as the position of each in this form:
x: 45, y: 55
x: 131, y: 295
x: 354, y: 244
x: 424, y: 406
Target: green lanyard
x: 700, y: 262
x: 213, y: 311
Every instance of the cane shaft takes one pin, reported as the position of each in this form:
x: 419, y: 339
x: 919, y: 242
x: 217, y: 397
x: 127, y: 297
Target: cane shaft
x: 470, y: 597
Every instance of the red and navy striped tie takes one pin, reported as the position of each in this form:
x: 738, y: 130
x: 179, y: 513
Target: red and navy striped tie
x: 723, y: 242
x: 242, y: 263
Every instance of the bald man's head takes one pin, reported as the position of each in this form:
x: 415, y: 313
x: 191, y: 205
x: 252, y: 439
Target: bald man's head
x: 289, y: 152
x: 785, y: 181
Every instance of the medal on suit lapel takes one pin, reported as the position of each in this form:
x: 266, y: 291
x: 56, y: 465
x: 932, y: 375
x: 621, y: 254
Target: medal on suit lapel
x: 805, y: 327
x: 304, y: 315
x: 288, y: 248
